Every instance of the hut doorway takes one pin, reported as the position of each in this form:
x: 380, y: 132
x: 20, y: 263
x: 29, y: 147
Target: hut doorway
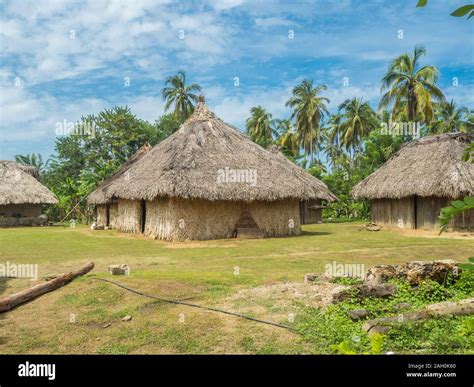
x: 142, y: 215
x: 107, y: 215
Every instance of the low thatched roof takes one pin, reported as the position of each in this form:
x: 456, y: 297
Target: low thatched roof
x: 19, y: 185
x: 199, y: 160
x: 430, y: 166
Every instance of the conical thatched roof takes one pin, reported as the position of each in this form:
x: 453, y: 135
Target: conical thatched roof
x: 101, y: 194
x: 19, y: 185
x: 192, y: 162
x: 430, y: 166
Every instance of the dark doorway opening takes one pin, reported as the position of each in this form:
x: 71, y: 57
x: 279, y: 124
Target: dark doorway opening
x: 107, y: 215
x: 143, y: 216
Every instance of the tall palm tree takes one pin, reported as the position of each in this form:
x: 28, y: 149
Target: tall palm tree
x: 411, y: 89
x: 358, y: 120
x: 451, y: 118
x: 333, y: 138
x: 177, y: 93
x: 288, y: 139
x: 309, y: 108
x: 260, y: 126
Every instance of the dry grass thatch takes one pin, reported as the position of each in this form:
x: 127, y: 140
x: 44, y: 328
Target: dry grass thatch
x: 19, y: 185
x: 188, y: 165
x: 431, y: 166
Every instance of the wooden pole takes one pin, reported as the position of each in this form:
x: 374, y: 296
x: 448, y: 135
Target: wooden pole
x: 12, y: 301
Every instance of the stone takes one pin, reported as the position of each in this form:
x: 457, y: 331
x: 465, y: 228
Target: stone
x: 127, y: 318
x: 380, y: 329
x: 366, y: 290
x: 119, y: 269
x: 310, y: 277
x: 380, y: 274
x: 414, y: 272
x: 358, y: 314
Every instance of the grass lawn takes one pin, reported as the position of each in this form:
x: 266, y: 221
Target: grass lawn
x: 208, y: 273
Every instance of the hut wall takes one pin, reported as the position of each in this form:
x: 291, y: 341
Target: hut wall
x: 101, y: 215
x: 398, y: 213
x: 113, y: 215
x: 128, y: 216
x: 180, y: 219
x: 20, y: 210
x: 427, y: 211
x: 310, y: 215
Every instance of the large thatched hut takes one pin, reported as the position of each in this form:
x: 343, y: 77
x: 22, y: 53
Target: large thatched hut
x: 22, y: 195
x: 425, y: 175
x: 208, y: 181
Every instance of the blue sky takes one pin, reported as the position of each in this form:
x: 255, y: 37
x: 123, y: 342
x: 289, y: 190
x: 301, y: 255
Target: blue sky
x: 61, y: 60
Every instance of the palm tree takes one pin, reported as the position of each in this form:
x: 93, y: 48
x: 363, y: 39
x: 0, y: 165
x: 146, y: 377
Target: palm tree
x: 358, y: 121
x: 309, y: 108
x: 288, y: 139
x: 411, y: 89
x: 333, y: 138
x: 451, y: 118
x: 34, y: 160
x: 181, y: 96
x: 260, y: 126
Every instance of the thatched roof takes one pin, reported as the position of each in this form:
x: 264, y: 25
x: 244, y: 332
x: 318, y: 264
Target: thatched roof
x: 430, y: 166
x: 19, y: 185
x: 192, y: 162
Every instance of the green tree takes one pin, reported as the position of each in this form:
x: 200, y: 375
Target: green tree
x: 309, y: 108
x: 179, y: 95
x: 358, y: 120
x: 261, y: 126
x: 287, y: 139
x: 411, y: 89
x: 451, y: 118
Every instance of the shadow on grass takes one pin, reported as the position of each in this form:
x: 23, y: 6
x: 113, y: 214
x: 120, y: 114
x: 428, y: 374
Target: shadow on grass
x: 309, y: 233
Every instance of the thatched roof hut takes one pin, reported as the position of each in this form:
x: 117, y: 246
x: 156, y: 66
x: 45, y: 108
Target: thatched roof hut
x: 19, y: 185
x: 418, y: 180
x: 21, y: 194
x: 208, y: 163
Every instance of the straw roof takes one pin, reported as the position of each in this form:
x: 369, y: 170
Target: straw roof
x: 19, y: 185
x: 430, y: 166
x: 197, y: 160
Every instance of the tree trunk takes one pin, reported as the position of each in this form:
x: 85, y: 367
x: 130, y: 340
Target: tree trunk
x: 12, y: 301
x: 447, y: 308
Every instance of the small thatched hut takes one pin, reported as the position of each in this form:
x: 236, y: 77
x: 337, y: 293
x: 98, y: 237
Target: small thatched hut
x: 208, y: 181
x: 22, y: 195
x: 409, y: 190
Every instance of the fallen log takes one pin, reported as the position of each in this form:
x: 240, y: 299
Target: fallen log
x: 446, y: 308
x: 12, y: 301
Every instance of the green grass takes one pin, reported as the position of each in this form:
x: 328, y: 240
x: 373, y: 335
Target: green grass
x: 200, y: 272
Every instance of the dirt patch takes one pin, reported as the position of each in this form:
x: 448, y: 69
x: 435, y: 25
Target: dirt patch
x: 281, y: 302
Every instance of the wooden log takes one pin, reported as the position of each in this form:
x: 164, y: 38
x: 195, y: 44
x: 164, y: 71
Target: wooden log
x: 446, y: 308
x: 12, y: 301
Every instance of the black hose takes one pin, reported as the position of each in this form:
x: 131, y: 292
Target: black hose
x: 195, y: 305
